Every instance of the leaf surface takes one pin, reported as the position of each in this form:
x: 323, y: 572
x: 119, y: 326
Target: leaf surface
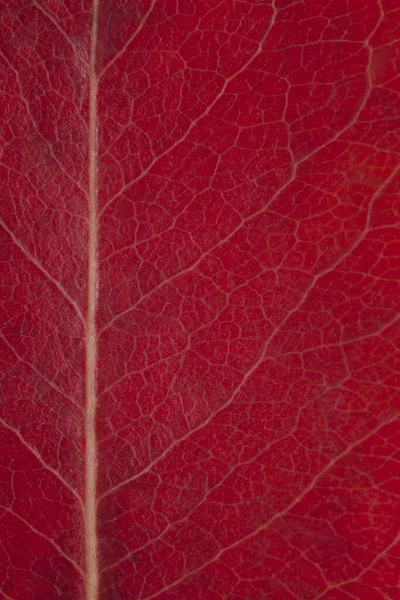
x: 200, y: 318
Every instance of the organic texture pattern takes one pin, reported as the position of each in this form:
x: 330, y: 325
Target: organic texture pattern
x: 200, y: 336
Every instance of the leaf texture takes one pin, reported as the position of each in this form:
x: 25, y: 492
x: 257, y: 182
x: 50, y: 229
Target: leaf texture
x: 201, y: 291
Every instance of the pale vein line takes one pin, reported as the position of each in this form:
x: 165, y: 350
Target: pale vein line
x: 37, y: 264
x: 340, y: 343
x: 235, y: 467
x: 241, y: 225
x: 195, y: 121
x: 365, y: 570
x: 56, y: 25
x: 91, y: 583
x: 130, y: 40
x: 39, y: 374
x: 47, y: 467
x: 283, y: 512
x: 248, y: 462
x: 263, y: 353
x: 305, y: 158
x: 221, y: 93
x: 36, y: 128
x: 152, y: 364
x: 6, y: 596
x: 44, y: 536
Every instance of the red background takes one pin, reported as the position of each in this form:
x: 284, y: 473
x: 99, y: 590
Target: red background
x: 248, y: 299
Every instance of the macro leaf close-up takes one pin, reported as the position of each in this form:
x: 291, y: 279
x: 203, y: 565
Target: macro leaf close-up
x: 200, y: 300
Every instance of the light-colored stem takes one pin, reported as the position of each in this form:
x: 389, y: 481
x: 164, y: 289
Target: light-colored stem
x: 90, y: 342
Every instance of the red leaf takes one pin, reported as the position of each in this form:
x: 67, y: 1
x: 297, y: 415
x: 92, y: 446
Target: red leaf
x: 200, y: 318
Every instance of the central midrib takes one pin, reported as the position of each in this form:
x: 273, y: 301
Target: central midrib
x: 91, y: 569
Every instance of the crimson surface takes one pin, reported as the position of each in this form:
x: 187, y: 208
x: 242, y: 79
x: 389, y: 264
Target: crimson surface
x: 248, y: 296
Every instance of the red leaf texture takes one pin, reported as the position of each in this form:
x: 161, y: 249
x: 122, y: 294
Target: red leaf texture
x: 200, y: 310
